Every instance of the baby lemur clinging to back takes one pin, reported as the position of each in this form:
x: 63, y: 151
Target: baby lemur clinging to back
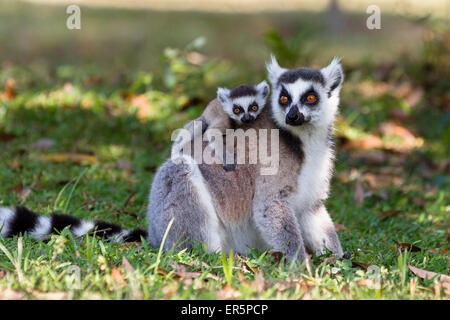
x: 240, y: 105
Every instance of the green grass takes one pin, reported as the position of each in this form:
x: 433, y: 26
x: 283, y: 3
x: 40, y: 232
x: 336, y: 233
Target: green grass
x: 125, y: 122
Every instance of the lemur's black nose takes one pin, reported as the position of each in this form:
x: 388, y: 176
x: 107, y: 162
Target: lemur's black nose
x: 295, y: 117
x: 247, y: 118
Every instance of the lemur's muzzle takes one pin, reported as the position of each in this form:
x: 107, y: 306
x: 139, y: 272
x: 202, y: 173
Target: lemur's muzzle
x: 246, y: 118
x: 295, y: 117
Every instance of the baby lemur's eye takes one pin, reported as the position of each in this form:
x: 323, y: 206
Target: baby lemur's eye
x: 283, y: 99
x: 236, y: 110
x: 254, y: 107
x: 311, y: 98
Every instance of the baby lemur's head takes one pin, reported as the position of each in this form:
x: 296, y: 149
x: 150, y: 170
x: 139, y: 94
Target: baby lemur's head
x: 245, y: 102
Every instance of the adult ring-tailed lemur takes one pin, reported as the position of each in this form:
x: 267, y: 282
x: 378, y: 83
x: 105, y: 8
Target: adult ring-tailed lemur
x: 241, y: 208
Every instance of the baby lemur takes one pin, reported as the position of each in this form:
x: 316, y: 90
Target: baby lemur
x: 238, y: 106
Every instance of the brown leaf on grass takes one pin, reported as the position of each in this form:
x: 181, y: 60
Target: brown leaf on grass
x: 259, y: 281
x: 127, y: 265
x: 382, y: 180
x: 425, y: 274
x: 420, y: 201
x: 10, y: 294
x: 196, y: 263
x: 21, y: 192
x: 359, y: 264
x: 87, y: 202
x: 228, y: 292
x: 15, y: 164
x: 10, y: 88
x: 444, y: 280
x: 359, y: 193
x: 365, y: 282
x: 117, y: 276
x: 2, y: 273
x: 37, y: 183
x: 247, y: 267
x: 55, y: 295
x: 5, y: 137
x: 370, y: 156
x: 386, y: 214
x: 69, y: 157
x: 142, y: 103
x: 195, y: 58
x: 408, y: 246
x: 338, y: 227
x: 402, y: 139
x: 370, y: 141
x: 399, y: 114
x: 179, y: 273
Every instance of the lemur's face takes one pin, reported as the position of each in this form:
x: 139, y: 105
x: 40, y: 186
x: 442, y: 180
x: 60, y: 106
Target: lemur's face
x: 305, y: 97
x: 244, y: 103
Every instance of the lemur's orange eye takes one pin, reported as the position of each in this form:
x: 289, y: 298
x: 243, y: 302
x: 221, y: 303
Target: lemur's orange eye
x: 283, y: 99
x: 254, y: 107
x: 311, y: 98
x: 236, y: 110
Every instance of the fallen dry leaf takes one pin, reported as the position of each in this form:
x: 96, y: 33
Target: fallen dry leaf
x: 15, y: 164
x: 425, y: 274
x: 10, y: 88
x: 408, y: 246
x: 359, y: 264
x: 359, y: 193
x: 142, y: 103
x: 368, y: 142
x: 259, y: 281
x: 402, y: 139
x: 228, y: 292
x: 381, y: 180
x: 21, y: 192
x: 127, y: 265
x: 389, y: 213
x: 10, y: 294
x: 370, y: 156
x: 117, y: 276
x: 56, y: 295
x: 69, y: 157
x: 5, y: 137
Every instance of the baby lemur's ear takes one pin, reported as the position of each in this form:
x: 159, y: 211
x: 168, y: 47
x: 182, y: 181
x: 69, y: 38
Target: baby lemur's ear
x: 263, y: 89
x: 223, y: 95
x: 334, y: 76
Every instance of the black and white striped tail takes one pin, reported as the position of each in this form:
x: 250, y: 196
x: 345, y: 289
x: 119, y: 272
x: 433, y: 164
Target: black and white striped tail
x: 21, y: 220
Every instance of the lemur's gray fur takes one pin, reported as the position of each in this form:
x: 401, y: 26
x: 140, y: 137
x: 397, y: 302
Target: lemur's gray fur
x: 243, y: 209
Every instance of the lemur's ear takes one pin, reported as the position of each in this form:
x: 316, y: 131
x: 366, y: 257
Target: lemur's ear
x: 263, y: 89
x: 334, y: 76
x: 274, y: 70
x: 223, y: 94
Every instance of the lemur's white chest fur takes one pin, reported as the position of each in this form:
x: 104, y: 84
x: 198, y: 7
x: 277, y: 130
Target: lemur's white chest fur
x: 314, y: 176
